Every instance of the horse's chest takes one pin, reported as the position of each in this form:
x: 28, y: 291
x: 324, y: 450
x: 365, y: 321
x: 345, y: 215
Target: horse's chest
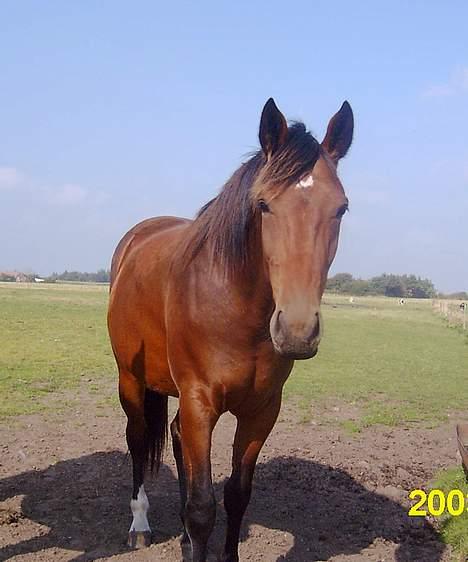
x: 251, y: 388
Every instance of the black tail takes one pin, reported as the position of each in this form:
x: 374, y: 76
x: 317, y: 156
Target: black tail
x: 156, y: 427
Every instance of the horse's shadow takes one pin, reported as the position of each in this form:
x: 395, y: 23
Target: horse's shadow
x: 329, y: 513
x: 85, y: 504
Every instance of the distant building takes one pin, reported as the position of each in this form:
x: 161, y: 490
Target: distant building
x: 22, y: 278
x: 15, y: 276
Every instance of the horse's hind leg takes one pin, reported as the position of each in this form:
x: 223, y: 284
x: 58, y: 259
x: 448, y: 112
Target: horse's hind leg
x: 132, y: 398
x: 146, y: 426
x: 177, y: 448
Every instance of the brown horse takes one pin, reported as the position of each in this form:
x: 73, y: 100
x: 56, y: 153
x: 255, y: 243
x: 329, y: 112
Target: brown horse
x: 214, y: 311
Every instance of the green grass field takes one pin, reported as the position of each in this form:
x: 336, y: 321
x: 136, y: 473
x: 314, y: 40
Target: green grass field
x: 395, y: 364
x: 53, y: 338
x: 453, y: 529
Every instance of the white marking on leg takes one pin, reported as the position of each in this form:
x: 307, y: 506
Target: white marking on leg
x: 140, y: 508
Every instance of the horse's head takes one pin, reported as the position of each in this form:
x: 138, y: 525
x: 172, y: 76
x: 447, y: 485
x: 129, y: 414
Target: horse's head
x: 301, y: 201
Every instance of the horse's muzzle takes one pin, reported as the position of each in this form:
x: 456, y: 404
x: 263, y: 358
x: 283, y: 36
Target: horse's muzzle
x: 295, y: 340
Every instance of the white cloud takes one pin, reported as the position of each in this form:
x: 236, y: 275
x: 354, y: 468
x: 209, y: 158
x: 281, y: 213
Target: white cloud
x: 65, y: 195
x: 9, y: 178
x: 70, y: 194
x: 457, y: 84
x: 439, y: 91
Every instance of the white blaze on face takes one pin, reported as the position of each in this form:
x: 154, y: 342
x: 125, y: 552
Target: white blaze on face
x: 140, y: 508
x: 305, y: 183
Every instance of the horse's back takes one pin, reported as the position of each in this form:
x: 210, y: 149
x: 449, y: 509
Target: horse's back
x: 139, y: 234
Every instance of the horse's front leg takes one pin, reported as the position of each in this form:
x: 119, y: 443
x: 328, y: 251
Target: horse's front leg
x: 251, y: 434
x: 197, y: 420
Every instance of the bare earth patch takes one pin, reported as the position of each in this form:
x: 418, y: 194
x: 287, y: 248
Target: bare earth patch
x: 319, y: 493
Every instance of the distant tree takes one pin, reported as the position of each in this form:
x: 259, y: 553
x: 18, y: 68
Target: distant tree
x: 340, y: 283
x: 419, y: 288
x: 101, y: 276
x: 391, y: 285
x: 459, y: 296
x: 395, y: 287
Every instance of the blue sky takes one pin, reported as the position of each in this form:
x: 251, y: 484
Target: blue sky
x: 111, y: 112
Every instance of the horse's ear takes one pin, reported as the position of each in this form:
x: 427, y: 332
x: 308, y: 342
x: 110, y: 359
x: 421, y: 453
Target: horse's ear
x: 273, y: 128
x: 339, y: 133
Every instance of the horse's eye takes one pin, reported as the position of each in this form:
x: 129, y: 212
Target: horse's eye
x: 263, y: 207
x: 342, y: 210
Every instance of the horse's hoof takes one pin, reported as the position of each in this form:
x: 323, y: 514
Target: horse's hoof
x: 230, y: 558
x: 139, y: 539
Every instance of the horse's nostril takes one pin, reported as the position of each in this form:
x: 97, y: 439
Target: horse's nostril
x: 278, y: 320
x: 316, y: 330
x: 278, y: 323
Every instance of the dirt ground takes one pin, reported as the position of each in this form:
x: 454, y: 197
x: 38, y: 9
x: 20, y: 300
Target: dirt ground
x: 319, y: 493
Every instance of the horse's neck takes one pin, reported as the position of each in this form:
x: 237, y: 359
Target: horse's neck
x: 254, y: 285
x: 247, y: 285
